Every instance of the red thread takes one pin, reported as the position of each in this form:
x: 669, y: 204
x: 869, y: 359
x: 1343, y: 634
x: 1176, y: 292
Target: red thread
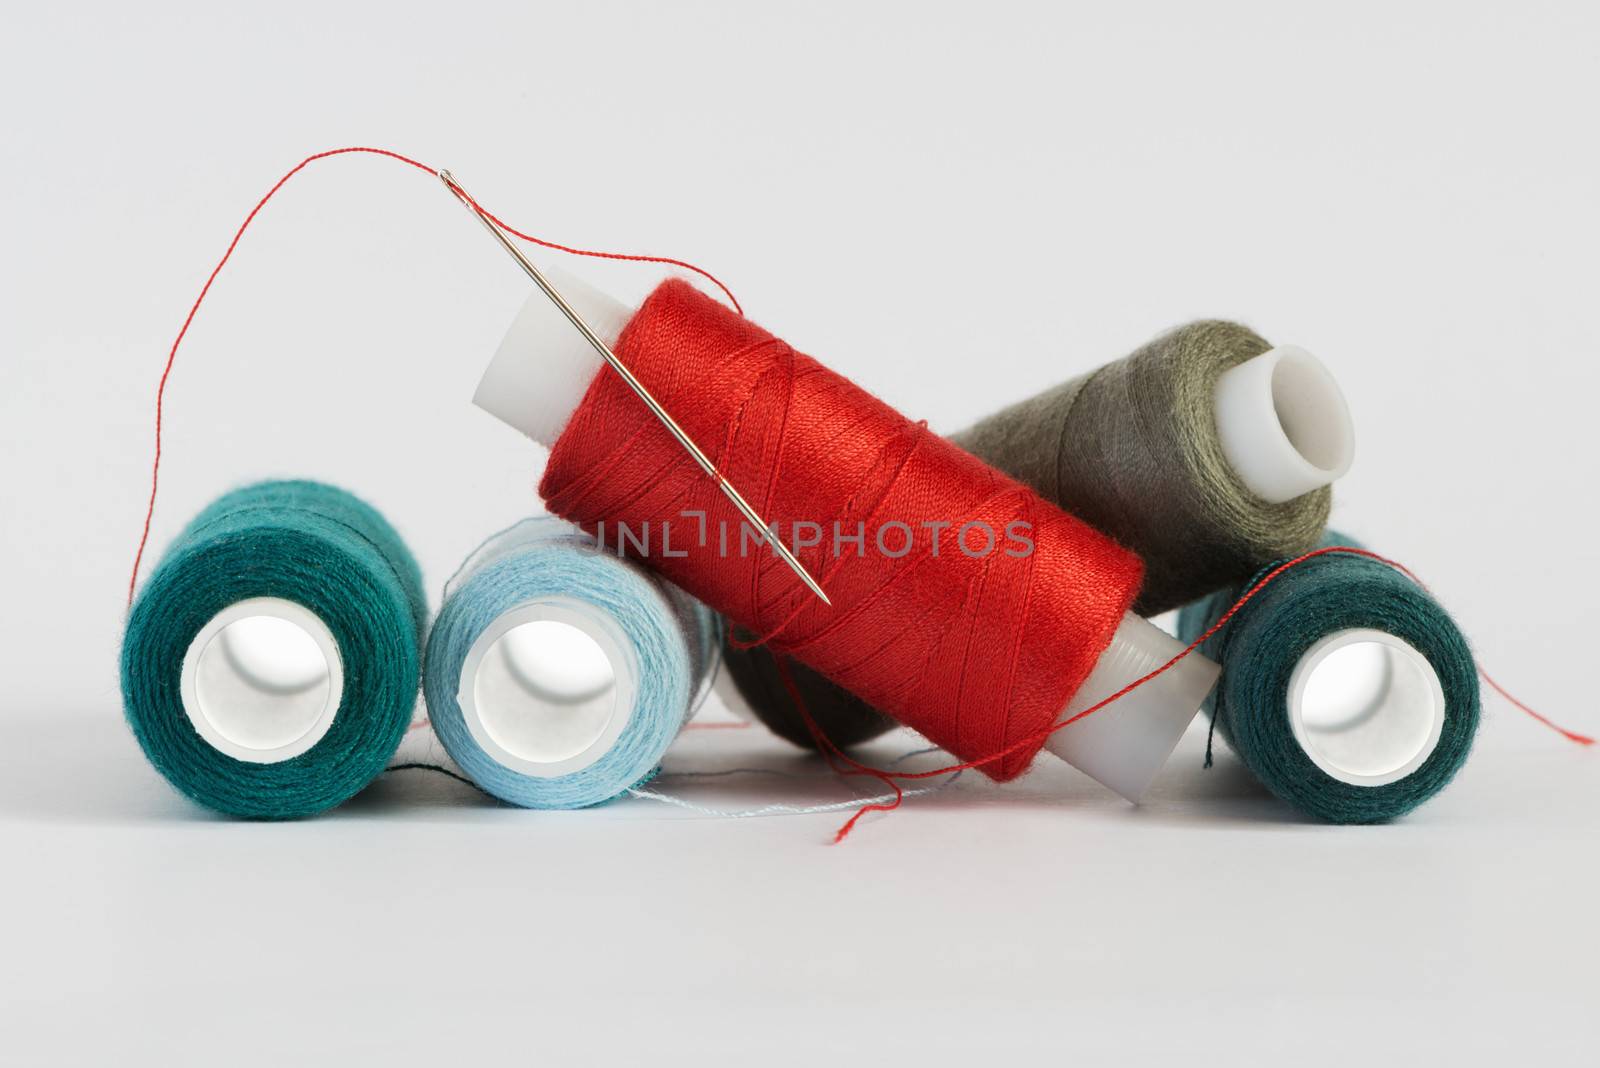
x: 166, y: 372
x: 979, y: 653
x: 1581, y: 739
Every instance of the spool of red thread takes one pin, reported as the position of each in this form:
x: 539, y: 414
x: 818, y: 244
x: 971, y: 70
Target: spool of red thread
x: 980, y: 645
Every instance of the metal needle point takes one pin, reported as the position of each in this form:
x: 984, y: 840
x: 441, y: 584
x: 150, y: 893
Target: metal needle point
x: 634, y: 384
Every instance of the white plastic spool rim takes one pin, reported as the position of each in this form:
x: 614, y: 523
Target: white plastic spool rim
x: 262, y: 681
x: 1366, y: 706
x: 543, y: 367
x: 1283, y: 423
x: 549, y: 687
x: 1124, y: 744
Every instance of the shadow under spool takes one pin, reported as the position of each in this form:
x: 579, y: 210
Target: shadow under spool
x: 1133, y: 449
x: 270, y: 664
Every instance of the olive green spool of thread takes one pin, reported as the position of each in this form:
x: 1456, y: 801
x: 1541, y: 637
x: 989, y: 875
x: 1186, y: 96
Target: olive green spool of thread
x: 1132, y: 449
x: 1371, y: 754
x: 246, y: 730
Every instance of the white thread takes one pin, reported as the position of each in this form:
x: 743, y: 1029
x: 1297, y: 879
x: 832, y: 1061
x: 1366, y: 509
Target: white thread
x: 790, y: 810
x: 787, y: 810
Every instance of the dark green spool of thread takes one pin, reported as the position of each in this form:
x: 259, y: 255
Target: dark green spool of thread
x: 322, y: 549
x: 1261, y: 645
x: 1132, y: 449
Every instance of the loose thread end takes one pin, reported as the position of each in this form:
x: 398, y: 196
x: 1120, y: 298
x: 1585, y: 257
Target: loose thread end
x: 1569, y: 735
x: 450, y: 183
x: 833, y: 754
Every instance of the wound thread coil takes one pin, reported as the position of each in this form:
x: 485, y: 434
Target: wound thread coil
x: 270, y: 664
x: 1133, y: 448
x: 979, y: 652
x: 558, y: 674
x: 1364, y: 753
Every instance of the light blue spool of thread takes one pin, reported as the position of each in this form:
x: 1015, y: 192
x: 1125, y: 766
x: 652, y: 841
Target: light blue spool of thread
x: 558, y: 674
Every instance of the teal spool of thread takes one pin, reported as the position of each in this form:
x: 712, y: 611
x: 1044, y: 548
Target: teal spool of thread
x: 1345, y: 688
x: 270, y: 664
x: 558, y: 674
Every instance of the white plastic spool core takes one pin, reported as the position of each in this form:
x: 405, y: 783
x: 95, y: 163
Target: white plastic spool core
x: 1283, y: 423
x: 262, y: 680
x: 549, y: 687
x: 1366, y: 706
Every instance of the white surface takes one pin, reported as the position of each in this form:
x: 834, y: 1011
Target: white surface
x: 1285, y: 427
x: 259, y: 694
x: 957, y: 206
x: 942, y: 933
x: 1124, y: 744
x: 537, y: 733
x: 543, y: 366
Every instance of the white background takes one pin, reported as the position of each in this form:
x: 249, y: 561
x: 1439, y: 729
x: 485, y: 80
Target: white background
x: 957, y: 205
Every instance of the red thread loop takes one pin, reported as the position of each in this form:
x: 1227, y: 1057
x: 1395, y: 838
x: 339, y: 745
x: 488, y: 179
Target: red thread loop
x: 166, y: 372
x: 835, y: 755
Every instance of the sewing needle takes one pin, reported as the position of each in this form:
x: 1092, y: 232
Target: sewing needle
x: 638, y: 387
